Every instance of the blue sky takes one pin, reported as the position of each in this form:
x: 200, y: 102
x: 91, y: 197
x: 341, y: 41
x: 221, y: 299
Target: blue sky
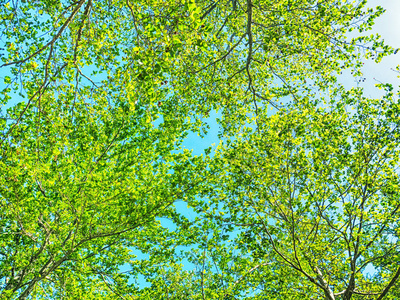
x: 388, y: 26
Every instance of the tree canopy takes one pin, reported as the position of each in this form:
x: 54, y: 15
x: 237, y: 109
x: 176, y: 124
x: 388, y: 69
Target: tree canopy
x: 299, y: 200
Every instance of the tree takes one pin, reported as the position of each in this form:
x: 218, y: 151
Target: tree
x: 99, y: 97
x: 306, y: 207
x: 314, y: 194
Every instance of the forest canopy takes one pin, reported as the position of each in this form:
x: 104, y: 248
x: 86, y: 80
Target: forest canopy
x: 102, y: 199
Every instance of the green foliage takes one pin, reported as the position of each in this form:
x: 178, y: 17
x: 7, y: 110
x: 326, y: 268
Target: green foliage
x: 97, y: 101
x: 315, y: 191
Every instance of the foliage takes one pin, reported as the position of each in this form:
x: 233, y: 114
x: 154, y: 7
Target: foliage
x: 306, y: 207
x: 98, y: 100
x: 315, y: 191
